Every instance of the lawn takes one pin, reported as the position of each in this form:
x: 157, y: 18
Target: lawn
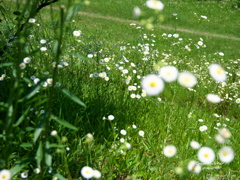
x: 92, y: 93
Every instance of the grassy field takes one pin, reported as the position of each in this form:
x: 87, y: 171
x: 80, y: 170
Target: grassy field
x: 81, y: 102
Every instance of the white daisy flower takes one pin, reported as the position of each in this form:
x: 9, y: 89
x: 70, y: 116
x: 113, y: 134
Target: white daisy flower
x: 133, y: 95
x: 24, y: 175
x: 206, y: 155
x: 204, y: 17
x: 53, y: 133
x: 136, y: 13
x: 141, y: 133
x: 213, y: 98
x: 96, y: 174
x: 43, y: 49
x: 195, y: 145
x: 110, y: 117
x: 187, y: 79
x: 122, y: 140
x: 36, y: 80
x: 226, y: 154
x: 90, y: 56
x: 77, y: 33
x: 36, y: 170
x: 168, y: 73
x: 49, y: 80
x: 203, y: 128
x: 217, y: 73
x: 155, y: 4
x: 169, y: 151
x: 221, y: 53
x: 124, y: 71
x: 22, y: 66
x: 238, y: 100
x: 152, y: 84
x: 128, y: 145
x: 134, y: 126
x: 225, y: 133
x: 200, y: 43
x: 27, y: 60
x: 87, y: 172
x: 5, y: 174
x: 123, y: 132
x: 31, y: 20
x: 43, y: 41
x: 219, y: 139
x: 194, y: 167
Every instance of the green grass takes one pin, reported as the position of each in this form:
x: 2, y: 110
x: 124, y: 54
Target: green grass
x: 223, y: 18
x: 170, y: 118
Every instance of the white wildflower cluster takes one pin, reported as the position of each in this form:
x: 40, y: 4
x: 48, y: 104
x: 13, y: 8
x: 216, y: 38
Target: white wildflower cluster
x: 24, y: 63
x: 88, y: 173
x: 2, y: 77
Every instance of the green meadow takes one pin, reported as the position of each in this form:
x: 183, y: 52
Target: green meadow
x: 76, y: 102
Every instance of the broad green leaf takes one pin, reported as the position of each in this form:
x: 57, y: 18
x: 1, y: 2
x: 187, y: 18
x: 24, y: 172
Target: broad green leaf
x: 20, y: 165
x: 39, y: 154
x: 7, y: 24
x: 20, y: 120
x: 34, y: 91
x: 48, y: 156
x: 5, y: 64
x: 79, y: 56
x: 72, y: 11
x: 55, y: 47
x: 72, y: 96
x: 25, y: 145
x: 57, y: 146
x: 39, y: 128
x: 64, y: 123
x: 59, y: 176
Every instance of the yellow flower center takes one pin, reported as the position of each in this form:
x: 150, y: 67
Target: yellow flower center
x: 153, y: 84
x: 169, y: 73
x: 219, y: 71
x: 206, y: 155
x: 225, y: 153
x: 155, y: 2
x: 186, y: 80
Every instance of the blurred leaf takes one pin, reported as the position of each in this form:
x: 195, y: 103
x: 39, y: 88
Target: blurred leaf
x: 7, y: 24
x: 39, y: 128
x: 59, y: 176
x: 48, y: 156
x: 64, y: 123
x: 20, y: 165
x: 55, y: 47
x: 57, y: 146
x: 20, y: 120
x: 29, y: 128
x: 25, y: 145
x: 2, y: 9
x: 6, y: 64
x: 79, y: 56
x: 72, y: 11
x: 39, y: 154
x: 34, y: 91
x: 72, y: 96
